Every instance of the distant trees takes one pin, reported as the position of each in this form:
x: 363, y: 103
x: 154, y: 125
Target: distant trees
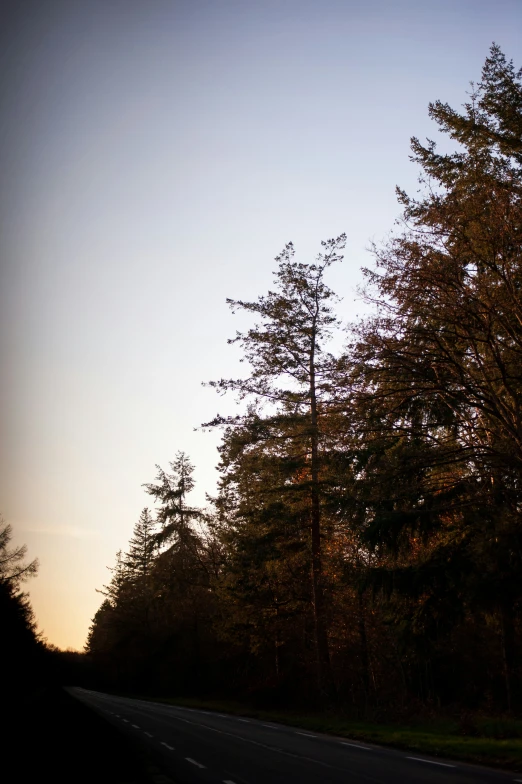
x: 364, y: 545
x: 151, y: 625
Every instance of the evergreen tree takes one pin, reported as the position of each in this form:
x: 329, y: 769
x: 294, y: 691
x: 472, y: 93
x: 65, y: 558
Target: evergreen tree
x: 13, y: 569
x: 439, y: 367
x: 118, y: 581
x: 175, y: 517
x: 264, y: 527
x: 139, y: 558
x: 292, y: 374
x: 20, y: 652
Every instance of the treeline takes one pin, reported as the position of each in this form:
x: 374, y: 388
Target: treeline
x: 364, y: 547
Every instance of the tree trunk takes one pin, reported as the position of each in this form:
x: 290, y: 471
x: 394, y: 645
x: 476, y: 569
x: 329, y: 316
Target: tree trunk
x: 365, y: 658
x: 324, y: 670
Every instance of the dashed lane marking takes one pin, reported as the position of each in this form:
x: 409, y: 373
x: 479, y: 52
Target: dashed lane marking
x: 198, y: 764
x: 136, y: 727
x: 270, y: 726
x: 148, y: 734
x: 300, y: 757
x: 170, y: 748
x: 247, y: 721
x: 356, y: 746
x: 236, y: 778
x: 306, y: 734
x: 126, y: 721
x: 431, y: 762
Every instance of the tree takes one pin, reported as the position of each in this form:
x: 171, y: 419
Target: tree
x: 20, y: 652
x: 264, y: 583
x: 438, y: 369
x: 13, y: 570
x: 291, y: 374
x: 182, y: 569
x: 139, y: 558
x: 98, y: 637
x: 171, y: 491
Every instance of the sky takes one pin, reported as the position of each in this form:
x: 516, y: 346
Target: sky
x: 156, y: 156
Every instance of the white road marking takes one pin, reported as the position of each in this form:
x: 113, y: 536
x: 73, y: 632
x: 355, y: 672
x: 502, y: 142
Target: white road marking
x: 356, y: 746
x: 149, y: 734
x: 198, y: 764
x: 270, y: 726
x: 301, y: 757
x: 136, y: 727
x: 306, y: 734
x: 247, y: 721
x: 228, y: 781
x: 275, y: 749
x: 126, y: 721
x: 170, y: 748
x: 431, y: 762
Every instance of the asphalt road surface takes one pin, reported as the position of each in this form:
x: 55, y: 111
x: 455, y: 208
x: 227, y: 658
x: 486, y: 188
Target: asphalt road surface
x: 203, y: 747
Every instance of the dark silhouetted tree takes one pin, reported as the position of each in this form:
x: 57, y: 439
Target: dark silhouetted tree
x: 291, y: 371
x: 20, y: 651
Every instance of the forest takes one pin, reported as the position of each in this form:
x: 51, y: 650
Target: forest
x: 364, y: 546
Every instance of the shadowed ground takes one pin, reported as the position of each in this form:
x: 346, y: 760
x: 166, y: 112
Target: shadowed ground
x: 53, y: 737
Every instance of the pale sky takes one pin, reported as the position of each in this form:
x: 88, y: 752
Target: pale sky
x: 156, y: 156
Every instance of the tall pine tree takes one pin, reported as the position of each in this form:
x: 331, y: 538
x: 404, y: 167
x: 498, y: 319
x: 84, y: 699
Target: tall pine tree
x: 291, y: 374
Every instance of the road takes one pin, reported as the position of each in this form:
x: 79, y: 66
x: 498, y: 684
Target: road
x: 203, y: 747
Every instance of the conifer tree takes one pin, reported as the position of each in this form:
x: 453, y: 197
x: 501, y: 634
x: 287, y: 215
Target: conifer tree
x: 439, y: 367
x: 21, y: 647
x: 119, y: 580
x: 142, y: 547
x: 174, y: 515
x: 13, y: 569
x: 292, y: 377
